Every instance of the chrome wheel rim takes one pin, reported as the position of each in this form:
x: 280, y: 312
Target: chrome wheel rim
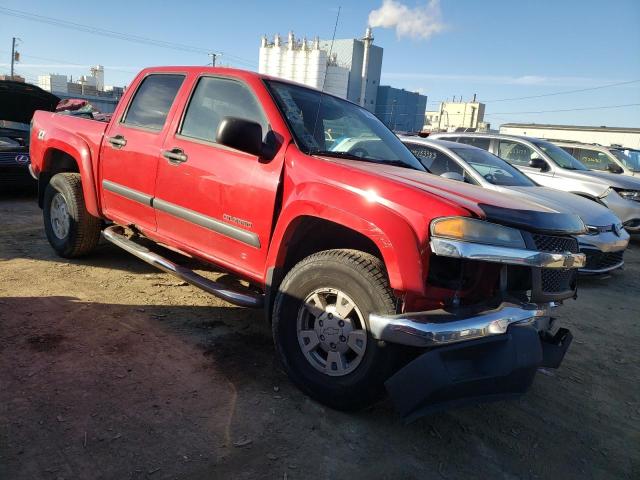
x: 331, y: 332
x: 59, y: 215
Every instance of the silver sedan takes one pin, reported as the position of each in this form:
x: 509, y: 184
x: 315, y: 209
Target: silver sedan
x: 606, y: 240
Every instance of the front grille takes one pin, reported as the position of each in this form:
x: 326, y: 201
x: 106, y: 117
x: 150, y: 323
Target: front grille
x: 556, y: 280
x: 9, y: 158
x: 550, y: 243
x: 597, y: 260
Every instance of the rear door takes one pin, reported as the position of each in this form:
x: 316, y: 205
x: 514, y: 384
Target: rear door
x: 212, y: 198
x: 131, y: 150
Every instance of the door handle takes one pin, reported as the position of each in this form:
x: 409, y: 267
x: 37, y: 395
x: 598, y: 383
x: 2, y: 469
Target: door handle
x: 117, y: 142
x: 175, y: 156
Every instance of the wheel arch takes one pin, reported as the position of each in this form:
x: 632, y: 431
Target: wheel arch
x: 73, y: 157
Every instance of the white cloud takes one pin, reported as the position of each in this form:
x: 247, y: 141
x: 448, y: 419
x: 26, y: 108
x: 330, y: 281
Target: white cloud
x: 420, y: 22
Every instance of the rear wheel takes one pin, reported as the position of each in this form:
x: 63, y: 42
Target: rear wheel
x: 70, y: 229
x: 320, y: 327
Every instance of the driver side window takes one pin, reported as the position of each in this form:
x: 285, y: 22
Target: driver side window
x: 215, y: 98
x: 515, y: 153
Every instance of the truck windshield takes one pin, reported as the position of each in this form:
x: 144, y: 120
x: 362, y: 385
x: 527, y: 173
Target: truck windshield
x: 325, y: 125
x: 562, y: 158
x: 630, y: 158
x: 493, y: 169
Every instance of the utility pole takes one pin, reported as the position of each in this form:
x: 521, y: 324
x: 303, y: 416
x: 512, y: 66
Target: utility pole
x: 213, y: 59
x: 13, y: 54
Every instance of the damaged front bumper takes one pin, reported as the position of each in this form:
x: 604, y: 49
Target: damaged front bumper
x: 475, y: 354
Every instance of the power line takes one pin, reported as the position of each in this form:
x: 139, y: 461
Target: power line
x: 117, y: 35
x: 564, y: 92
x: 567, y: 109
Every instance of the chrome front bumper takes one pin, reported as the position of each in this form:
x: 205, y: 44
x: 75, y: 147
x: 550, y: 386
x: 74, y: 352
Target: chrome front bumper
x: 445, y: 247
x: 440, y: 327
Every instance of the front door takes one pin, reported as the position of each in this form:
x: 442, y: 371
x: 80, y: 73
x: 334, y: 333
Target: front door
x: 213, y: 198
x: 131, y: 150
x: 519, y: 155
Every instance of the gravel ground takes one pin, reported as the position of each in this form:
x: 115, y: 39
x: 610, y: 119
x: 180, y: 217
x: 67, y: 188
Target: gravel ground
x: 110, y: 369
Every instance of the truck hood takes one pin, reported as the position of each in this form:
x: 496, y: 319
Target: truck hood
x: 589, y: 211
x: 19, y: 101
x: 484, y: 203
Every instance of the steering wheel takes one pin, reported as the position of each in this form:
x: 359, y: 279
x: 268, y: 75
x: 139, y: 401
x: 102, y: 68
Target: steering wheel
x: 489, y: 177
x: 359, y: 152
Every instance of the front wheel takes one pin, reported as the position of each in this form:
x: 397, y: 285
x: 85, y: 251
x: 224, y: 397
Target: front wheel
x: 70, y: 229
x: 321, y: 332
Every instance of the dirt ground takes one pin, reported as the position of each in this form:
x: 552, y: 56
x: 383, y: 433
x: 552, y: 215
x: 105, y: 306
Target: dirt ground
x: 112, y: 370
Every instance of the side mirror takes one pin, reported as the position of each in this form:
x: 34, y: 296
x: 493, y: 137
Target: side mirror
x: 538, y: 163
x: 241, y: 134
x: 613, y: 168
x: 453, y: 176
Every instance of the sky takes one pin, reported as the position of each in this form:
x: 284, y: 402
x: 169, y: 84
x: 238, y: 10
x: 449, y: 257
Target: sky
x: 499, y: 50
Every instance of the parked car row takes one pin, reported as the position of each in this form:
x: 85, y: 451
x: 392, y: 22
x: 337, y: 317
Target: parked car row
x: 552, y: 166
x: 431, y: 271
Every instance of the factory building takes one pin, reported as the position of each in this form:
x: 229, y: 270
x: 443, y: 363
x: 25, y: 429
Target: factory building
x: 401, y: 110
x: 626, y: 137
x: 303, y: 62
x: 456, y: 116
x: 352, y: 67
x: 363, y: 59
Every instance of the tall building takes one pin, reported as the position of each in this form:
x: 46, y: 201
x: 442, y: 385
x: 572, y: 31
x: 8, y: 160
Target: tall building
x: 303, y: 62
x: 364, y: 62
x: 401, y: 110
x: 452, y: 116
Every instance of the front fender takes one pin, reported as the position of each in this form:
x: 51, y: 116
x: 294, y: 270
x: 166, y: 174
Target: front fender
x: 76, y: 148
x: 391, y: 233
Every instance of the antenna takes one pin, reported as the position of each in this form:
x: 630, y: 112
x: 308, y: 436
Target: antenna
x: 333, y: 38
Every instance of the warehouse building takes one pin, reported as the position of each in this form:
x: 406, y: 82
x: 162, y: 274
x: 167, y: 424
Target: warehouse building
x: 627, y: 137
x: 400, y: 110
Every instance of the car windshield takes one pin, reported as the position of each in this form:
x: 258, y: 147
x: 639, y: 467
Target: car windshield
x: 562, y: 158
x: 493, y: 169
x: 630, y: 158
x: 328, y: 126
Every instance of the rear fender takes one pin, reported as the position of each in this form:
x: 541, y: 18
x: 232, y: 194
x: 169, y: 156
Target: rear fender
x: 77, y: 149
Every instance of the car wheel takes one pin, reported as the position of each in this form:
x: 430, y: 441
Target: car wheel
x: 70, y: 229
x: 320, y: 327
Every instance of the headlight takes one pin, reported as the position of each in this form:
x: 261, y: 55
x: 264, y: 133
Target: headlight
x: 630, y: 194
x: 477, y: 231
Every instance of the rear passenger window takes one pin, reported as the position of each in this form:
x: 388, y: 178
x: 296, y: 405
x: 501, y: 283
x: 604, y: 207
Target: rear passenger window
x: 152, y: 101
x: 214, y: 99
x: 482, y: 143
x: 515, y: 153
x: 435, y: 161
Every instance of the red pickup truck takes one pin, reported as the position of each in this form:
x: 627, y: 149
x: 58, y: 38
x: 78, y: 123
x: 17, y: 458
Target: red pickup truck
x: 371, y: 271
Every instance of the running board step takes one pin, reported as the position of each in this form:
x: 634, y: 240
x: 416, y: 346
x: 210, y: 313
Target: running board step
x: 115, y: 234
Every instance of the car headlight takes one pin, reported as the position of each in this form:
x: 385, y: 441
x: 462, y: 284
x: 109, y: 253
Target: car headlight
x: 630, y: 194
x: 477, y: 231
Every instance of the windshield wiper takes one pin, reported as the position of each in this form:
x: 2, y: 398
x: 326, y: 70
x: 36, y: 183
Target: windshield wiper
x: 351, y: 156
x: 347, y: 155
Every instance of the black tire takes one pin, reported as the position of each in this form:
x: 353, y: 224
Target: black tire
x: 83, y: 232
x: 363, y: 278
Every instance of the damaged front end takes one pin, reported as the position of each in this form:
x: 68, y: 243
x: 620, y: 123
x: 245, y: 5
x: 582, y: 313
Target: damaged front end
x: 486, y: 350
